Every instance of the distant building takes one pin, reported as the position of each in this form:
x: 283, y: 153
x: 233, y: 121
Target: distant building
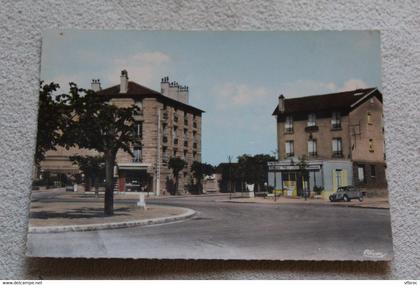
x: 341, y: 135
x: 166, y: 126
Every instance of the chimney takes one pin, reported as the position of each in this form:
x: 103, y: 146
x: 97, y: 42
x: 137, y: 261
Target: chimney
x: 124, y: 81
x: 95, y: 85
x: 281, y: 103
x: 164, y: 85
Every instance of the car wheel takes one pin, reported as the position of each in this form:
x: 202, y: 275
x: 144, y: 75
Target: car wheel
x: 346, y: 199
x: 331, y: 199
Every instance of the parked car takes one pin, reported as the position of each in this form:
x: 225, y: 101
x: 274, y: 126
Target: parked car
x: 346, y: 194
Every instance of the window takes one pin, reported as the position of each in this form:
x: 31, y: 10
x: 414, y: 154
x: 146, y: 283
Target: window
x: 175, y: 152
x: 174, y: 132
x: 288, y: 125
x: 194, y: 155
x: 137, y: 154
x: 164, y: 154
x: 312, y: 147
x: 139, y: 105
x: 289, y: 149
x: 372, y: 171
x: 337, y: 147
x: 371, y: 145
x: 138, y: 129
x: 361, y: 173
x: 336, y: 120
x: 369, y: 118
x: 312, y: 120
x: 185, y: 154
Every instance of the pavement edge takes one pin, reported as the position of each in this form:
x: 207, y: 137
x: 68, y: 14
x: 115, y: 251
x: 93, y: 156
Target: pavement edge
x: 116, y: 225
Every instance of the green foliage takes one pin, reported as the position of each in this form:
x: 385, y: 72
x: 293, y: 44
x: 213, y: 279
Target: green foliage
x: 176, y: 164
x: 93, y: 167
x: 199, y: 170
x: 87, y: 120
x: 249, y: 169
x: 318, y: 189
x: 51, y: 120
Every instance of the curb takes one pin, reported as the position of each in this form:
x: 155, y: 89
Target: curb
x: 117, y: 225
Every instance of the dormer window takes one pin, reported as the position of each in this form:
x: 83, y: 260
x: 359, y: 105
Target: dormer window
x: 336, y: 120
x: 311, y: 120
x: 288, y: 124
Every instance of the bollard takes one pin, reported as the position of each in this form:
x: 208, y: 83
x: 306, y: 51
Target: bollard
x: 141, y: 202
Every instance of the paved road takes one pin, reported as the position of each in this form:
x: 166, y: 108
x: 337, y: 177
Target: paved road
x: 223, y: 230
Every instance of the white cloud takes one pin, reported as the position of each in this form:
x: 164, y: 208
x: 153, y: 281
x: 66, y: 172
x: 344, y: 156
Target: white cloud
x: 300, y: 88
x: 231, y: 95
x: 352, y: 84
x: 144, y: 68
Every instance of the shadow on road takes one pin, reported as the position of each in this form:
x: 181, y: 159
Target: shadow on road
x: 81, y: 213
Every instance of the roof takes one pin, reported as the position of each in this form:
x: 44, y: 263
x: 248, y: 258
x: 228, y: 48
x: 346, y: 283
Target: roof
x: 333, y: 101
x: 136, y: 90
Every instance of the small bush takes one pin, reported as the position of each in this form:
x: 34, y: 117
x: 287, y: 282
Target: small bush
x: 318, y: 190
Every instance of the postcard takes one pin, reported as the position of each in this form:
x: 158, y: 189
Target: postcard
x: 210, y: 145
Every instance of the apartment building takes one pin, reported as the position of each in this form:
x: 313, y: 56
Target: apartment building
x: 166, y: 126
x: 341, y: 136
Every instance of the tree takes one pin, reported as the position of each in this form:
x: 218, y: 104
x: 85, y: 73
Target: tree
x: 199, y: 170
x: 303, y: 172
x: 92, y: 167
x: 254, y: 169
x: 51, y: 120
x: 176, y: 164
x: 98, y: 125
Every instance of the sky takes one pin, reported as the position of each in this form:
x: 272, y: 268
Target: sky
x: 235, y: 77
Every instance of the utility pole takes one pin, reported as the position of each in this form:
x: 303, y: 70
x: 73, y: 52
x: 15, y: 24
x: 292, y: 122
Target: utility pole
x: 158, y: 155
x: 230, y: 177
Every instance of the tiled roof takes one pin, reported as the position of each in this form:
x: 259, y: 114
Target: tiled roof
x: 136, y: 90
x: 332, y: 101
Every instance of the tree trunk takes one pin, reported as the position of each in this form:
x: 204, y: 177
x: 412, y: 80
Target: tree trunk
x: 109, y: 189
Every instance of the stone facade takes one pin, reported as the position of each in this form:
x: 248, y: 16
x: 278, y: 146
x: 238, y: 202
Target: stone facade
x: 345, y: 126
x: 166, y: 128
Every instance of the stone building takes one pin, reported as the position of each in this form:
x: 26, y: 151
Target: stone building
x: 341, y: 135
x: 166, y: 126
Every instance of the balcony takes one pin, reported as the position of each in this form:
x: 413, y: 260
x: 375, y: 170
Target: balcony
x: 165, y: 139
x: 311, y: 129
x: 313, y: 154
x: 288, y: 130
x: 136, y: 159
x: 290, y: 154
x: 165, y: 115
x: 337, y: 154
x: 336, y: 127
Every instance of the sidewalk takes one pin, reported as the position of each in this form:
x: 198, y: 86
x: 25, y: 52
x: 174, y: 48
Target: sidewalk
x: 376, y: 203
x: 61, y: 216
